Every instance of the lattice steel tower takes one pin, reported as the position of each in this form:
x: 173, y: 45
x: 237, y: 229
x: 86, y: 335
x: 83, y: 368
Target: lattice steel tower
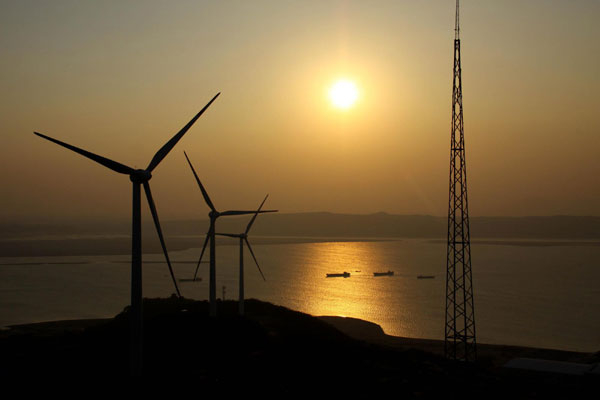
x: 460, y: 343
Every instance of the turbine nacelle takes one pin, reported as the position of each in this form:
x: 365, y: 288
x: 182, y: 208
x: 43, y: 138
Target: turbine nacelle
x: 140, y: 176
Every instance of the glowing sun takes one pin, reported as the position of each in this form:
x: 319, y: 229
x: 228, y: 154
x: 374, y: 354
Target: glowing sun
x: 343, y: 94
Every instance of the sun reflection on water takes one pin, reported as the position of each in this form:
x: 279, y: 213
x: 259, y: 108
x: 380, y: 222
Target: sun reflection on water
x: 511, y: 311
x: 359, y: 296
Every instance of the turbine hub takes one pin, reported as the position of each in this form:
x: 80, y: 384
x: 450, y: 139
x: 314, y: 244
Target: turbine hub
x: 140, y: 176
x: 213, y: 214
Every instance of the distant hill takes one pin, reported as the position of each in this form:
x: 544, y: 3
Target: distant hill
x: 327, y: 225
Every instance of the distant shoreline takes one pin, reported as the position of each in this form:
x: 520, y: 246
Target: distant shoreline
x: 103, y: 246
x: 498, y: 354
x: 530, y: 242
x: 120, y: 245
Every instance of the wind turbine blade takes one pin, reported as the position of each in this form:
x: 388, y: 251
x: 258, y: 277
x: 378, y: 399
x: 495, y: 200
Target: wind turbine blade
x: 228, y: 235
x: 253, y: 256
x: 115, y: 166
x: 160, y: 234
x: 162, y: 153
x: 204, y: 192
x: 201, y: 254
x: 255, y: 215
x: 236, y: 212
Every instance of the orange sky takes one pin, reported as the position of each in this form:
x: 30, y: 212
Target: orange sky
x: 119, y: 79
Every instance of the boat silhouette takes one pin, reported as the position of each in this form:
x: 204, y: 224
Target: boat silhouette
x: 342, y: 275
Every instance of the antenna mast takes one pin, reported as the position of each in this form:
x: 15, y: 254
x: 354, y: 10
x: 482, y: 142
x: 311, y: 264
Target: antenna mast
x: 457, y: 22
x: 460, y: 343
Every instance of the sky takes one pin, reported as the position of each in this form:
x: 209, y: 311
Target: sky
x: 119, y: 78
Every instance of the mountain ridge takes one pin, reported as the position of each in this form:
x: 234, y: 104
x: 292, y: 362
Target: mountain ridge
x: 329, y: 224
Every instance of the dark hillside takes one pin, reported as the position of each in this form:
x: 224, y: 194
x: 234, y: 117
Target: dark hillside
x: 273, y: 350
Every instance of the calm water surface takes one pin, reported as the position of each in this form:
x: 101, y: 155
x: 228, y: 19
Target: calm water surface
x: 544, y: 296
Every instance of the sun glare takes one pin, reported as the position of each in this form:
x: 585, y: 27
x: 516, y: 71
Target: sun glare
x: 343, y: 94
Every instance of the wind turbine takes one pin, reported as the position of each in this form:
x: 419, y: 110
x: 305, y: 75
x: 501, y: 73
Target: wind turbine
x: 138, y: 177
x: 213, y: 215
x: 244, y: 238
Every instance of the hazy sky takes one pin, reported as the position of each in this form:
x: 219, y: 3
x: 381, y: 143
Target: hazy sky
x: 119, y: 78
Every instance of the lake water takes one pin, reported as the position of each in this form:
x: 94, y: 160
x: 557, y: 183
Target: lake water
x: 543, y: 296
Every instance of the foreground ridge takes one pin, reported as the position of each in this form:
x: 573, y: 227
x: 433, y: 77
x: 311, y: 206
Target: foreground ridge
x: 298, y: 353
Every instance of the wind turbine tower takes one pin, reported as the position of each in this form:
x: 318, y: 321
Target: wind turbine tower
x: 139, y: 178
x: 460, y: 342
x: 243, y: 237
x: 213, y: 215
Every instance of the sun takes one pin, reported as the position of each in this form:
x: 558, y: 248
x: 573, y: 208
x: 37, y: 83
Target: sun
x: 343, y: 94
